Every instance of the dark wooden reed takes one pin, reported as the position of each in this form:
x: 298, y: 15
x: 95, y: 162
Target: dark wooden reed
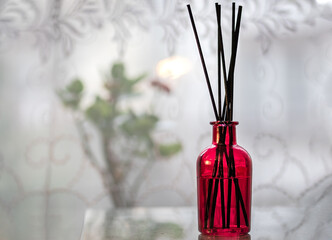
x: 208, y: 203
x: 235, y: 38
x: 233, y: 175
x: 223, y: 115
x: 218, y: 8
x: 219, y: 156
x: 215, y: 192
x: 210, y: 182
x: 244, y: 212
x: 214, y: 201
x: 203, y: 62
x: 222, y: 191
x: 221, y: 53
x: 238, y: 194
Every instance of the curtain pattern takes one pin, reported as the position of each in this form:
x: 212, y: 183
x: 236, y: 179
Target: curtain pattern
x: 283, y: 103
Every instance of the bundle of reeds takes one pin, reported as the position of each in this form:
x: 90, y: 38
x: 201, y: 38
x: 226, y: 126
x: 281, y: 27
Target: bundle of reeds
x: 224, y: 116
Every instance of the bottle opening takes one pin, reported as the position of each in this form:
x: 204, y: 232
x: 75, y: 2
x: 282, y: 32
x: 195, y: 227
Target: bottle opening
x: 225, y: 123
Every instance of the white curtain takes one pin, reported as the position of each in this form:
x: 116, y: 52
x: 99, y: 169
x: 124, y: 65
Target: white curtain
x: 283, y: 102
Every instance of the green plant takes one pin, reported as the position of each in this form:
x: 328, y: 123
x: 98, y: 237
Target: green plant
x: 132, y: 133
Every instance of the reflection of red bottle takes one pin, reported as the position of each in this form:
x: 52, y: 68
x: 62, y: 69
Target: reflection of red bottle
x: 224, y: 184
x: 211, y: 237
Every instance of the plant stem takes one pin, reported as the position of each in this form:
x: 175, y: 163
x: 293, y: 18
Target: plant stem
x: 139, y: 179
x: 116, y: 190
x: 108, y: 175
x: 85, y: 143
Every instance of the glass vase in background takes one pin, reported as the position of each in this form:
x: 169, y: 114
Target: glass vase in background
x: 224, y: 176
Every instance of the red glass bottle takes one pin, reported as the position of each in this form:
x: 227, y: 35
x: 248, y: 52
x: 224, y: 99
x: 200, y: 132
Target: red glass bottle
x: 224, y: 173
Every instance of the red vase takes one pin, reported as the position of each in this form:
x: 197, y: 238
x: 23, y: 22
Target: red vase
x: 224, y: 173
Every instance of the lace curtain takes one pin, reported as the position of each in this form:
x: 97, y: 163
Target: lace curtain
x: 283, y: 102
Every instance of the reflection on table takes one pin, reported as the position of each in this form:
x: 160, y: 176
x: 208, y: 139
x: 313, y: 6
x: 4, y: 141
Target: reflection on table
x: 140, y: 223
x: 275, y: 223
x: 206, y: 237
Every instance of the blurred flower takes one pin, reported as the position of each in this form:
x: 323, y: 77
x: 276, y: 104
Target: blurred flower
x: 160, y: 85
x: 173, y: 67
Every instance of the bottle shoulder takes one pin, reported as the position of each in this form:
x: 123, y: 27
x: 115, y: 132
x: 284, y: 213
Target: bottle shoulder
x: 242, y: 152
x: 209, y: 159
x: 237, y: 150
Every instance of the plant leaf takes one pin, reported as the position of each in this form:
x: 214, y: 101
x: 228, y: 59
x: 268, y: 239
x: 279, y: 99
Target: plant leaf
x: 72, y: 94
x: 75, y: 87
x: 167, y: 150
x: 140, y: 126
x: 102, y: 113
x: 118, y: 71
x: 119, y: 84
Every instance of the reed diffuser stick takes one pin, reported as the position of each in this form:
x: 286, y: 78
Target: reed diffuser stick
x: 219, y: 59
x: 222, y: 191
x: 219, y: 156
x: 221, y: 53
x: 235, y: 38
x: 203, y: 62
x: 231, y: 156
x: 210, y: 182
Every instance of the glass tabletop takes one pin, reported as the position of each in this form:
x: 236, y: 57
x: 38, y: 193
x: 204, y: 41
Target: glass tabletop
x: 181, y: 224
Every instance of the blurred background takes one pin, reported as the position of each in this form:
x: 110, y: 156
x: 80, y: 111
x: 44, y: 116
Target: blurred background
x: 104, y: 104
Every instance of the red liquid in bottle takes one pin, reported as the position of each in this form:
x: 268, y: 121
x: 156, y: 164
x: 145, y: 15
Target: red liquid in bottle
x: 224, y: 185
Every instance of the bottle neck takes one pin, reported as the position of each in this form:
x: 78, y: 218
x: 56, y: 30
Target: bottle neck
x: 224, y: 133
